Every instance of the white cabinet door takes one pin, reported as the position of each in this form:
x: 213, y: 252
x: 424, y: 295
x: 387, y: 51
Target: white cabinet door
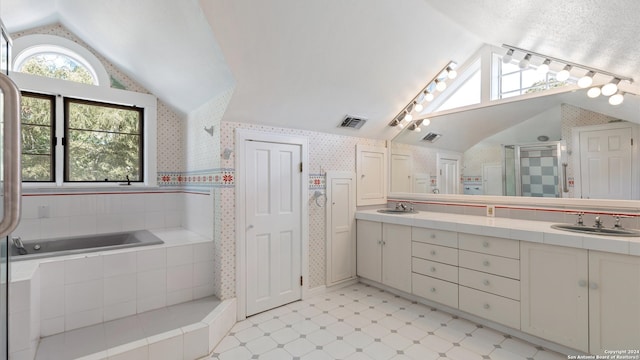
x: 369, y: 250
x: 554, y: 294
x: 614, y: 293
x: 341, y: 239
x: 396, y: 256
x: 371, y: 164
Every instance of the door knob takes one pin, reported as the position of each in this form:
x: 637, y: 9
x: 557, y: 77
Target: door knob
x: 249, y: 227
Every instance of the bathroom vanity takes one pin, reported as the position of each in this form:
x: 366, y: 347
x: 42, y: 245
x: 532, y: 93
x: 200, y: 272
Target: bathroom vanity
x: 580, y: 291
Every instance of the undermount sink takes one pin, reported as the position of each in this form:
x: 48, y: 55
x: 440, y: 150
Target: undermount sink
x: 397, y: 211
x: 596, y: 231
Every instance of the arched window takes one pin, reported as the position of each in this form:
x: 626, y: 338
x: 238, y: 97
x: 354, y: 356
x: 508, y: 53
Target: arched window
x: 59, y: 58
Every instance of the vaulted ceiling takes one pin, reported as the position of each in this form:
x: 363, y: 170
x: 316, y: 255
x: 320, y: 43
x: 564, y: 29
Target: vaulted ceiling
x: 306, y: 64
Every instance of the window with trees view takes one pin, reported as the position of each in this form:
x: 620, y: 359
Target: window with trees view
x: 80, y: 130
x: 37, y: 137
x: 103, y: 142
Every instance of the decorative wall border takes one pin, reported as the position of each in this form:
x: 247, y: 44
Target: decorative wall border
x: 210, y: 178
x: 317, y: 182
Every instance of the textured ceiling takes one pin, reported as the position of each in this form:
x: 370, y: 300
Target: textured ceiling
x: 306, y: 64
x: 165, y: 45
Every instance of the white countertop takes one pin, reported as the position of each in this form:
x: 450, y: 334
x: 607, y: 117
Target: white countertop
x: 525, y: 230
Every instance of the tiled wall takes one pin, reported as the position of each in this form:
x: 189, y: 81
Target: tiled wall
x: 71, y: 214
x: 86, y: 291
x: 539, y: 172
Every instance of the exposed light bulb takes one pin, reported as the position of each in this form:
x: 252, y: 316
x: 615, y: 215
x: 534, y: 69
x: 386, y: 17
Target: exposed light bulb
x: 564, y: 74
x: 440, y: 85
x: 451, y: 73
x: 616, y: 99
x: 611, y: 88
x: 594, y: 92
x: 508, y: 56
x: 418, y: 108
x: 586, y: 80
x: 544, y: 67
x: 524, y: 62
x: 401, y: 126
x: 425, y: 122
x: 408, y: 117
x: 428, y: 96
x: 417, y: 129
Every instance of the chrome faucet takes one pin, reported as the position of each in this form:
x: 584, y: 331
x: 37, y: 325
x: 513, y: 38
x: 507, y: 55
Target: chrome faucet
x: 402, y: 206
x: 598, y: 223
x: 17, y: 242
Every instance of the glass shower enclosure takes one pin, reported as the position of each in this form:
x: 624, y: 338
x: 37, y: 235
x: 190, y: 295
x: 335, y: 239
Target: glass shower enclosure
x: 533, y: 170
x: 10, y: 180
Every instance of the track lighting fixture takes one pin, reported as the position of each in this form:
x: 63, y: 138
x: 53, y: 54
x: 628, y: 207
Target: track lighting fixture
x: 594, y: 92
x: 563, y: 75
x: 428, y: 97
x: 508, y: 56
x: 586, y: 80
x: 616, y: 99
x: 524, y: 62
x: 451, y: 73
x: 544, y: 67
x: 611, y: 88
x: 426, y: 94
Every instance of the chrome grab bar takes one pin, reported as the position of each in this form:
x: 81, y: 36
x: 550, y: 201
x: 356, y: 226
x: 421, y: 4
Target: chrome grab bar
x: 11, y: 156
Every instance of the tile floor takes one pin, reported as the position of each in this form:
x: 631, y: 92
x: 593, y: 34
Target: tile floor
x: 363, y: 322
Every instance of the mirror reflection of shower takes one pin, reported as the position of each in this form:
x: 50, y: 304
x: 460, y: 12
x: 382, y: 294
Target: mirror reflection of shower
x: 533, y: 170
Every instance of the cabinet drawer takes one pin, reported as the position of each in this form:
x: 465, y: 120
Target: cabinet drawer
x: 436, y: 237
x: 490, y: 283
x: 435, y: 269
x: 434, y: 289
x: 490, y: 263
x: 437, y: 253
x: 490, y: 245
x: 492, y: 307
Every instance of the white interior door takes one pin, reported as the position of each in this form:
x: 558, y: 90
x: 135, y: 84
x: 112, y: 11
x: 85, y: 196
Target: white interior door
x: 273, y: 218
x: 341, y: 239
x: 401, y: 169
x: 605, y: 164
x: 421, y: 183
x: 492, y: 179
x: 448, y: 176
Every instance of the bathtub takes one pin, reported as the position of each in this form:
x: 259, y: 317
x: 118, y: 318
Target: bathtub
x: 37, y: 249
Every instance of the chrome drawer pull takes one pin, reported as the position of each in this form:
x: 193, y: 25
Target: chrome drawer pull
x: 433, y: 289
x: 433, y: 252
x: 486, y: 282
x: 433, y: 269
x: 485, y: 263
x: 485, y: 244
x: 433, y: 236
x: 582, y: 283
x: 486, y: 306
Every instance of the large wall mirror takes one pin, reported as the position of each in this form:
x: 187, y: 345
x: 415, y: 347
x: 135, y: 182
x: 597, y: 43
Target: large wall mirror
x: 560, y: 145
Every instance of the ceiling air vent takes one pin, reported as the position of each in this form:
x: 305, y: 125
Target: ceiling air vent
x: 432, y: 137
x: 352, y: 122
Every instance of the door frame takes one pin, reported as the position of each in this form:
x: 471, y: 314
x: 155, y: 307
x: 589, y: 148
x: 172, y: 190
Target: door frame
x: 243, y: 135
x: 635, y: 170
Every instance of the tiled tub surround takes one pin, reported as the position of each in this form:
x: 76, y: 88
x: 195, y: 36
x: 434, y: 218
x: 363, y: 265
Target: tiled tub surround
x: 54, y: 295
x: 94, y: 211
x: 470, y: 239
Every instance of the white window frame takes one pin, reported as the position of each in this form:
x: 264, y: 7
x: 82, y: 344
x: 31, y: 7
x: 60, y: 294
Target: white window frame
x: 64, y: 88
x: 27, y: 46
